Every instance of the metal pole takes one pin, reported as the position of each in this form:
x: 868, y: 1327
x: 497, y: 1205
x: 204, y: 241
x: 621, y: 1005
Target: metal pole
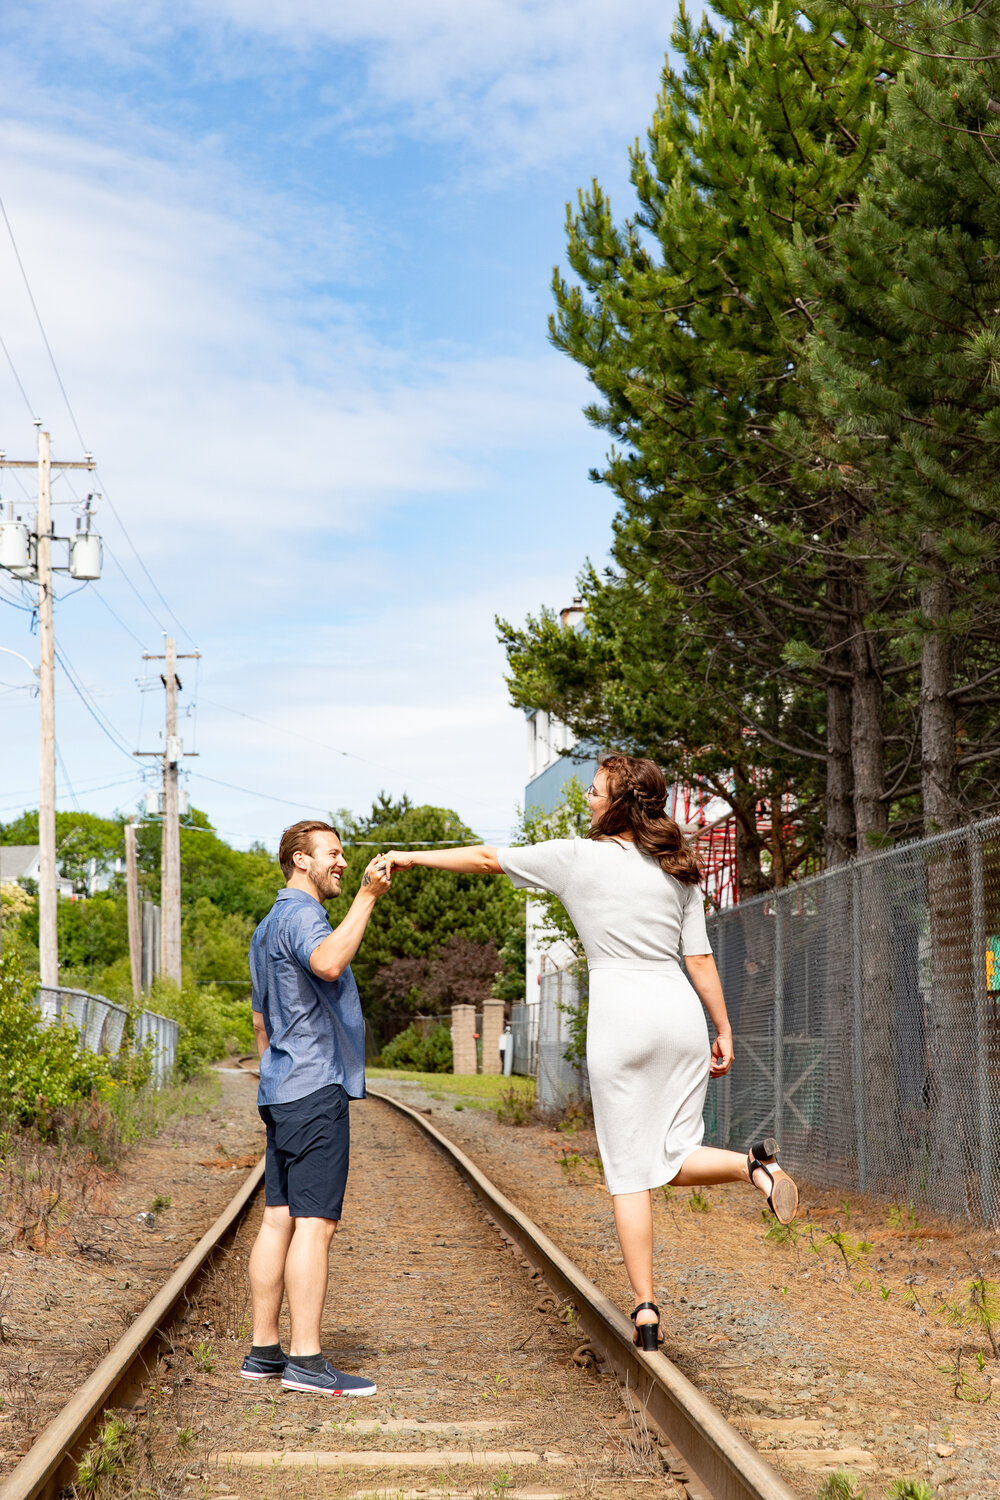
x: 48, y: 921
x: 858, y: 1029
x: 170, y: 873
x: 779, y: 1014
x: 725, y: 1084
x: 132, y: 892
x: 982, y: 1030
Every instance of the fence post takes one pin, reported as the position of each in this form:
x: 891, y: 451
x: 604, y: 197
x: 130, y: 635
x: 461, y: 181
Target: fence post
x: 724, y: 1084
x: 858, y: 1028
x: 981, y: 999
x: 779, y: 1014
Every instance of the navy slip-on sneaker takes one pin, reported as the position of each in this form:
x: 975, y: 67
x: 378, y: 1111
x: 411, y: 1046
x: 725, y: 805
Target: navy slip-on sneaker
x: 325, y: 1382
x: 263, y: 1369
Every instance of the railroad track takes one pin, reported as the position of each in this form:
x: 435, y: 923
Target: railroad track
x: 543, y: 1424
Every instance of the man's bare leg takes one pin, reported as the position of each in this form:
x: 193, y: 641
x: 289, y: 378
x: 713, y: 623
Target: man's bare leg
x: 267, y: 1273
x: 307, y: 1267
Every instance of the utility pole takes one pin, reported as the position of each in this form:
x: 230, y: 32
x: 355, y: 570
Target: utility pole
x: 132, y: 892
x: 42, y: 569
x: 170, y: 863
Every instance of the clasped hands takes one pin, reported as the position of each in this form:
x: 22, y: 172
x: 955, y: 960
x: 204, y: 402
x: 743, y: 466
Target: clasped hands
x: 378, y: 871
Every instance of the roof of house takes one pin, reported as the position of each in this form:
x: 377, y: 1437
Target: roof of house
x: 16, y: 860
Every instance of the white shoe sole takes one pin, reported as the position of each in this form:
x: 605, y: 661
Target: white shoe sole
x: 319, y: 1390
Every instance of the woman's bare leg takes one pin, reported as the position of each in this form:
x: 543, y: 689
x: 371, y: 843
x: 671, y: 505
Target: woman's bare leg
x: 634, y: 1222
x: 709, y: 1165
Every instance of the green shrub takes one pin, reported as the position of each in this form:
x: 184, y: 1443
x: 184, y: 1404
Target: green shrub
x: 43, y: 1066
x: 211, y: 1023
x: 432, y: 1054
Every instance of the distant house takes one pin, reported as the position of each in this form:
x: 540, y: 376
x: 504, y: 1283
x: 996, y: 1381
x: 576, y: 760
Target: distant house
x: 19, y: 863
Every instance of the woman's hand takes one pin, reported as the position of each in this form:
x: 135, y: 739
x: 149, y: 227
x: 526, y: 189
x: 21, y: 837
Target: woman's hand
x: 722, y: 1054
x: 398, y: 859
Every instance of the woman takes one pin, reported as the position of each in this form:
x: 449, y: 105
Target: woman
x: 631, y: 890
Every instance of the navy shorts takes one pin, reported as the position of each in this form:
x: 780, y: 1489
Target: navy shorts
x: 308, y: 1151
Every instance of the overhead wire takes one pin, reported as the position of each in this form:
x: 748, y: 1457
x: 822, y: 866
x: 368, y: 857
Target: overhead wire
x: 17, y: 378
x: 99, y: 718
x: 295, y: 733
x: 76, y: 426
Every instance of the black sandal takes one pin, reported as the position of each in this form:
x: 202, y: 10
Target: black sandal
x: 647, y: 1336
x: 783, y: 1197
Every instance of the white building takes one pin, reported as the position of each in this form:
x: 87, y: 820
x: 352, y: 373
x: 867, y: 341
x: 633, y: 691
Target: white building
x: 20, y: 862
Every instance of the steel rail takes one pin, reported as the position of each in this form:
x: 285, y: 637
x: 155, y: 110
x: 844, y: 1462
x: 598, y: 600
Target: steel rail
x: 50, y: 1462
x: 720, y: 1456
x: 723, y: 1460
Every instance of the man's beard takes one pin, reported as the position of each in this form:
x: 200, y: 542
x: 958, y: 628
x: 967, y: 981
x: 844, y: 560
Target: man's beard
x: 328, y: 885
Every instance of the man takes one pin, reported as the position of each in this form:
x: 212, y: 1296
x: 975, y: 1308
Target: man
x: 311, y: 1040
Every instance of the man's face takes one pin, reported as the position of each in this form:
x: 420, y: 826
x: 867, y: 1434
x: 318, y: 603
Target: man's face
x: 326, y: 864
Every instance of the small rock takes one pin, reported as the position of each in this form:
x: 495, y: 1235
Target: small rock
x: 944, y: 1450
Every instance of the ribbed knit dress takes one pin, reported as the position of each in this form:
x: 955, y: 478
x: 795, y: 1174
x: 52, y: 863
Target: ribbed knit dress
x: 648, y: 1050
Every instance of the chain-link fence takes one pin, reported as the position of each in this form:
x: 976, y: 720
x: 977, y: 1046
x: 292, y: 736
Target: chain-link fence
x: 101, y: 1024
x: 560, y: 1081
x: 865, y: 1004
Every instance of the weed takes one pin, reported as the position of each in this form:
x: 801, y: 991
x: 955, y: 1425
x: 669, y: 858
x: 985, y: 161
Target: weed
x: 573, y: 1120
x: 884, y: 1293
x: 501, y: 1483
x: 845, y: 1207
x: 185, y: 1437
x: 966, y: 1388
x: 458, y: 1108
x: 204, y: 1358
x: 779, y: 1234
x: 493, y: 1392
x: 984, y: 1302
x: 899, y: 1218
x: 851, y: 1250
x: 910, y: 1489
x: 840, y: 1486
x: 569, y: 1160
x: 159, y: 1203
x: 514, y: 1107
x: 110, y: 1449
x: 699, y: 1202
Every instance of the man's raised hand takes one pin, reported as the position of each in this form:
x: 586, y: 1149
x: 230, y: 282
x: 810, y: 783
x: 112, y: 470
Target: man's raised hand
x: 378, y: 875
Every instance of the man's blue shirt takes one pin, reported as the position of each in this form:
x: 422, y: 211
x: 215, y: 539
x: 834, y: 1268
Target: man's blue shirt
x: 315, y: 1029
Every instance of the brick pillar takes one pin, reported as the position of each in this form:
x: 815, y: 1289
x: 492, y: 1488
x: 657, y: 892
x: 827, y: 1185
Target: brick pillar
x: 463, y: 1038
x: 492, y: 1027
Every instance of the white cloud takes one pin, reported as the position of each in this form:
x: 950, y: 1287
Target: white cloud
x: 252, y: 430
x: 515, y: 82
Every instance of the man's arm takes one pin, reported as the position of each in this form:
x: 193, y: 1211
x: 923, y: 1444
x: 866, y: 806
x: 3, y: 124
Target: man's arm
x: 331, y: 957
x: 259, y: 1033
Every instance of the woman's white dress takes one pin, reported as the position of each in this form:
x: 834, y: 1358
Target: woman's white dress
x: 648, y: 1050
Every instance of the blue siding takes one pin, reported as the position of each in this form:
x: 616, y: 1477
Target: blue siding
x: 547, y: 791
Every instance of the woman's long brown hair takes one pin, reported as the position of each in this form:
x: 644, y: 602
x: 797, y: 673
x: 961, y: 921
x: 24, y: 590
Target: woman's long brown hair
x: 637, y: 792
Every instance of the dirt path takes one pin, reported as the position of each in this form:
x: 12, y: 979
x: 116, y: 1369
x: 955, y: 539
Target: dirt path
x: 824, y: 1355
x: 79, y: 1265
x: 478, y: 1389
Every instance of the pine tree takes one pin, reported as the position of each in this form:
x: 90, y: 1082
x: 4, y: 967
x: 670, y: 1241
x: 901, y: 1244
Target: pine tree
x: 686, y: 321
x: 906, y: 353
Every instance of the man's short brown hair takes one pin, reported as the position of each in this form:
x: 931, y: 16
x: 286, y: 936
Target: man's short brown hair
x: 299, y: 840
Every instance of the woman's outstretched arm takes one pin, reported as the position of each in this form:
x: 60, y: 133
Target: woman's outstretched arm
x: 479, y: 860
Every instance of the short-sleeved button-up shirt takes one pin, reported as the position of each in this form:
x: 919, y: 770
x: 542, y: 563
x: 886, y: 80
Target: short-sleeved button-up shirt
x: 315, y: 1030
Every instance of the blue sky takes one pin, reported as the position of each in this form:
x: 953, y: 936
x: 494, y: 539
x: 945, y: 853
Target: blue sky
x: 294, y: 263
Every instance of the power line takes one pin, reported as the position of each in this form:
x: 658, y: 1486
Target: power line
x: 106, y: 786
x: 249, y: 791
x: 103, y: 723
x: 135, y: 552
x: 116, y: 616
x: 72, y: 417
x: 17, y: 378
x: 294, y: 733
x: 41, y: 327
